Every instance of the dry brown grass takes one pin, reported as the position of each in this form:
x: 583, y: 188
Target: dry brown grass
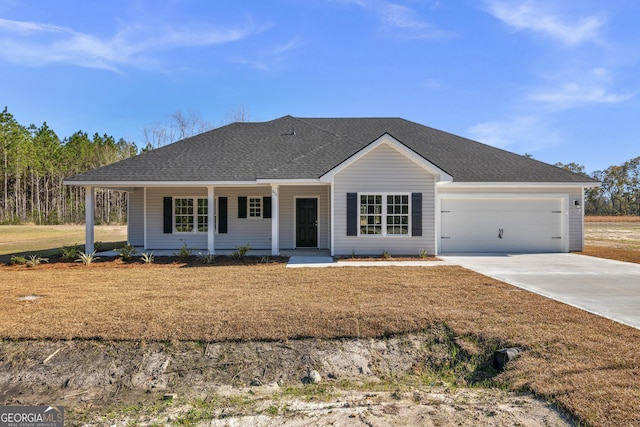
x: 594, y: 218
x: 618, y: 254
x: 586, y: 363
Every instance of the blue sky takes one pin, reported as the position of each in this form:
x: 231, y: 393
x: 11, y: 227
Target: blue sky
x: 557, y: 79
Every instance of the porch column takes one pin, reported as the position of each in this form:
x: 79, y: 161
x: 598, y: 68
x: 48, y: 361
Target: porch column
x: 275, y: 220
x: 211, y: 221
x: 89, y: 209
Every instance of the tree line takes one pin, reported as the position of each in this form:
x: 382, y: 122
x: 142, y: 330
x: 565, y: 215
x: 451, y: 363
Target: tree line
x: 619, y: 193
x: 34, y: 162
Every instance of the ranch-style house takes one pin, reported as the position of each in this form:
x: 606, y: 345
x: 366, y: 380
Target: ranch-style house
x: 347, y: 185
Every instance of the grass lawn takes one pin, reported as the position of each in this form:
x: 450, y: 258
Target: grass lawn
x: 48, y: 239
x: 586, y: 363
x: 613, y: 237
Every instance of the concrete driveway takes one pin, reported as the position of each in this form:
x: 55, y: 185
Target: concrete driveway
x: 600, y: 286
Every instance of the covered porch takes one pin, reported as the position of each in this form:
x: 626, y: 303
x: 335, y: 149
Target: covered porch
x: 216, y: 219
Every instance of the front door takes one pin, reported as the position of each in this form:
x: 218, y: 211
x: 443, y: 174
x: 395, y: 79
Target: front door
x: 306, y: 223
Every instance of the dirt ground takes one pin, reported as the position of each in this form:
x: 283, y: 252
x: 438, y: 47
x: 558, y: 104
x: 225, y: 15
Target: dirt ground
x: 372, y: 382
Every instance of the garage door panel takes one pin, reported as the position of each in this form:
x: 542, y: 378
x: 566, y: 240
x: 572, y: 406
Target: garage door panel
x: 501, y: 225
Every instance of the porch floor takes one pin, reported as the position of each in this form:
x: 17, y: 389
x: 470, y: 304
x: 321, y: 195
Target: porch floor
x: 301, y: 252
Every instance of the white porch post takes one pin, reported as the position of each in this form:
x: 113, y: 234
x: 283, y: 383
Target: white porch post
x: 275, y: 220
x: 211, y: 221
x: 89, y: 202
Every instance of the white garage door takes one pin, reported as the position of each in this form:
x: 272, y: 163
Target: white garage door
x: 501, y: 225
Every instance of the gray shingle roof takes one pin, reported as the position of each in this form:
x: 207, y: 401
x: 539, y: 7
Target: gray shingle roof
x: 307, y: 148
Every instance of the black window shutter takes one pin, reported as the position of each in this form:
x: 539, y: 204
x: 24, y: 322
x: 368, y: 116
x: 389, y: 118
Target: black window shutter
x: 242, y: 207
x: 266, y: 202
x: 168, y: 215
x: 352, y: 214
x: 222, y: 214
x: 416, y: 214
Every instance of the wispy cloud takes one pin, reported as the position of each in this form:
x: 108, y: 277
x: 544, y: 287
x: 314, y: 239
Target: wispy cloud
x: 402, y: 22
x: 593, y: 87
x: 267, y: 58
x: 520, y: 134
x: 535, y: 16
x: 36, y: 44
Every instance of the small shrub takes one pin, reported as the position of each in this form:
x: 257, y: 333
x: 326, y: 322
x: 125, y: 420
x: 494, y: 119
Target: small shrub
x: 184, y: 252
x: 147, y: 258
x: 70, y: 253
x: 207, y: 258
x: 35, y: 260
x: 18, y: 260
x: 98, y: 246
x: 240, y: 252
x: 423, y: 253
x: 386, y: 255
x: 87, y: 259
x: 126, y: 252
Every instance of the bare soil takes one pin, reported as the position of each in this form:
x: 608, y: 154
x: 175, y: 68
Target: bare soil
x: 390, y: 381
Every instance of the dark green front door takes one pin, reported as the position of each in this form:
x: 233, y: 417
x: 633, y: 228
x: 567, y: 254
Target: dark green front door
x: 306, y: 223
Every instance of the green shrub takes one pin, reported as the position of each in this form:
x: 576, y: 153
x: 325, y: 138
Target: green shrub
x: 70, y: 253
x: 184, y: 252
x: 126, y: 252
x: 423, y: 253
x: 240, y: 252
x: 386, y: 255
x: 18, y: 260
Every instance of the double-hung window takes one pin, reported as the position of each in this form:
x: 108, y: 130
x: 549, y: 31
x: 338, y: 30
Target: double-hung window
x: 384, y: 214
x: 191, y: 215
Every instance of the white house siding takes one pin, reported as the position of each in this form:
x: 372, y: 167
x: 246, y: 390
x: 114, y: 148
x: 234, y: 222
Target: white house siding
x: 571, y: 194
x: 254, y: 232
x: 135, y: 220
x: 384, y: 170
x: 156, y: 239
x: 576, y: 220
x: 287, y: 195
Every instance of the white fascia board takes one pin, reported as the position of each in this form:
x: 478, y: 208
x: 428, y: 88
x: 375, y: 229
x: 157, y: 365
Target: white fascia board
x: 124, y: 184
x: 305, y: 181
x: 489, y: 195
x: 442, y: 176
x: 482, y: 185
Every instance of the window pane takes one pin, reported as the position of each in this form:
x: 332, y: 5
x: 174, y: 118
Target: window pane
x: 370, y: 214
x: 203, y: 218
x: 183, y: 215
x: 255, y: 207
x: 397, y: 214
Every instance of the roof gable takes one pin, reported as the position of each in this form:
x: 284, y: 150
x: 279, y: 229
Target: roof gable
x: 396, y: 145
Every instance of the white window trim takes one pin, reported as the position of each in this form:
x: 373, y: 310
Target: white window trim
x: 195, y: 214
x: 384, y: 214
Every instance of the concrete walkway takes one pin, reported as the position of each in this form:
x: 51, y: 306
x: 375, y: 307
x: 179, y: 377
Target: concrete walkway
x: 327, y: 261
x: 604, y: 287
